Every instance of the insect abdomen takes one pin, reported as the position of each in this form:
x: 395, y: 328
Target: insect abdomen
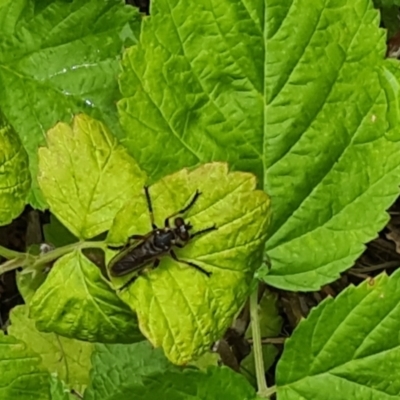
x: 136, y: 259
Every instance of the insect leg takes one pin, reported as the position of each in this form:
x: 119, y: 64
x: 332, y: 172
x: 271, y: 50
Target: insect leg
x: 126, y: 284
x: 156, y: 263
x: 131, y: 239
x: 116, y: 247
x: 190, y: 205
x: 150, y: 207
x: 174, y: 256
x: 134, y: 238
x: 211, y: 228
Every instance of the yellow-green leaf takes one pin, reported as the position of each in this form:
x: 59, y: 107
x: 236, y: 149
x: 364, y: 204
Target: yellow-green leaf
x: 76, y: 302
x: 178, y: 307
x: 86, y: 176
x: 68, y: 358
x: 15, y: 178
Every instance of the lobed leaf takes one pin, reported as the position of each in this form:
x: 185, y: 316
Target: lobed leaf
x: 325, y: 172
x: 75, y: 301
x: 192, y: 87
x: 14, y: 174
x: 124, y: 372
x: 118, y: 368
x: 178, y: 307
x: 86, y: 176
x: 56, y: 234
x: 68, y: 359
x: 29, y: 282
x: 22, y: 376
x: 58, y: 58
x: 292, y: 93
x: 214, y: 384
x: 348, y: 347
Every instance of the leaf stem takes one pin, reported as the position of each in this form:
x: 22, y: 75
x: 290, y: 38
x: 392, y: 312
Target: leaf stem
x: 270, y: 391
x: 257, y: 346
x: 57, y: 253
x: 13, y: 264
x: 9, y: 254
x: 17, y: 259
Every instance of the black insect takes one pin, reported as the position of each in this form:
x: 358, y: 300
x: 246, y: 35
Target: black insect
x: 135, y: 256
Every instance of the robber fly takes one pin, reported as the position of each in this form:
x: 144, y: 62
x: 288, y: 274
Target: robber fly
x: 157, y: 243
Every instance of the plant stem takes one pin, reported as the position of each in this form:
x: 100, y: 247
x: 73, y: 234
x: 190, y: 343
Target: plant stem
x: 270, y: 391
x: 257, y: 346
x: 13, y: 264
x: 57, y: 253
x: 9, y: 254
x: 277, y: 340
x: 23, y: 259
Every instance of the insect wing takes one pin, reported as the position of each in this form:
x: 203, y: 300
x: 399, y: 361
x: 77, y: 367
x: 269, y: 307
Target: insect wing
x: 124, y: 263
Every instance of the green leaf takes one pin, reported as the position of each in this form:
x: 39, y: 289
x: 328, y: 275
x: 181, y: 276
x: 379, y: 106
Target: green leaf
x: 214, y: 384
x: 59, y: 391
x: 347, y: 348
x: 56, y: 234
x: 86, y: 176
x: 14, y: 174
x: 67, y: 358
x: 58, y: 58
x: 137, y: 371
x: 119, y: 368
x: 206, y: 360
x: 191, y: 87
x: 293, y: 93
x: 21, y: 375
x: 321, y: 229
x: 29, y: 281
x: 75, y: 301
x: 178, y: 307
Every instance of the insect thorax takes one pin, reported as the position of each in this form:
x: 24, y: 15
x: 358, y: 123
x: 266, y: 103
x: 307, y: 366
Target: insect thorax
x: 165, y: 238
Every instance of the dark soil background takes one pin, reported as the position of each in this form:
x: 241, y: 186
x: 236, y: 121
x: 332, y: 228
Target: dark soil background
x: 381, y: 254
x: 142, y: 4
